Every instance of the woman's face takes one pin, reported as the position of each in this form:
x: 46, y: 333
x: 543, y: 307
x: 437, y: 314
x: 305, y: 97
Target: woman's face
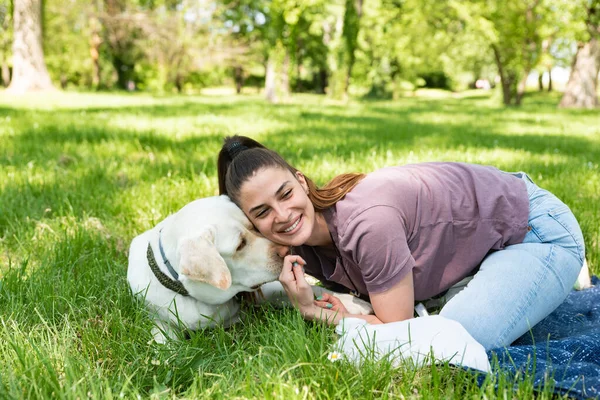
x: 276, y: 202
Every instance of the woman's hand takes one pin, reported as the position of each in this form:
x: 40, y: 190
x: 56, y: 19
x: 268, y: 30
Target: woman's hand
x: 301, y: 295
x: 330, y: 302
x: 292, y: 279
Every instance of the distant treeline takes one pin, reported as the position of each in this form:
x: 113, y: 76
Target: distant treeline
x: 339, y: 47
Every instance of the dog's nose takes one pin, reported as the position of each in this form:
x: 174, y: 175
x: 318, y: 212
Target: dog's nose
x: 283, y: 251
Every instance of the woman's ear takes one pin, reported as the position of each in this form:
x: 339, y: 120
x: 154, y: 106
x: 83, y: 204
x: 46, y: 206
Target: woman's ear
x: 302, y: 180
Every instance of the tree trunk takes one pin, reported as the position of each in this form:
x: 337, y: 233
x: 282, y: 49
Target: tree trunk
x: 581, y: 90
x: 238, y: 78
x: 530, y: 48
x: 348, y: 76
x: 299, y: 60
x: 521, y: 87
x: 95, y: 42
x: 271, y: 81
x: 63, y: 81
x: 5, y: 74
x: 352, y: 18
x: 582, y: 85
x: 540, y: 82
x: 179, y: 82
x: 550, y: 79
x: 323, y: 80
x: 285, y: 75
x: 124, y: 73
x: 506, y: 78
x: 29, y: 68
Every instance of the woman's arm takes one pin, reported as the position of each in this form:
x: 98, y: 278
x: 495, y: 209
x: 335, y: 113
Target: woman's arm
x: 394, y: 304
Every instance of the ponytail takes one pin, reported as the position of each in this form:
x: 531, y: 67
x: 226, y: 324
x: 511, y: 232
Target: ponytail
x: 240, y: 157
x: 335, y: 190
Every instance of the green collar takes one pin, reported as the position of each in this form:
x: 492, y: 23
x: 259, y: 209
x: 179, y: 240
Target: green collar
x: 167, y: 282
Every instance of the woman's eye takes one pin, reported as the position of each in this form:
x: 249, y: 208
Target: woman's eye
x: 241, y: 245
x: 261, y: 213
x: 287, y: 194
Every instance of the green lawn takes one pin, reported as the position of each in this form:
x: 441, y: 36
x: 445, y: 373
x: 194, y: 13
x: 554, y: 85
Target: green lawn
x: 82, y: 174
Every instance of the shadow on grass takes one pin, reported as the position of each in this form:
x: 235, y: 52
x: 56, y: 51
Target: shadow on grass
x: 404, y: 126
x: 313, y: 134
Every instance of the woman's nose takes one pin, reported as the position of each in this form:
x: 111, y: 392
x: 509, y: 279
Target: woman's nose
x: 281, y: 215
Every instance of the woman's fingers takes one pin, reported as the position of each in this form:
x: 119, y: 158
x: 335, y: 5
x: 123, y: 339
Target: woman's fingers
x: 287, y: 274
x: 325, y: 304
x: 325, y: 297
x: 330, y: 302
x: 298, y: 272
x: 294, y: 283
x: 337, y: 304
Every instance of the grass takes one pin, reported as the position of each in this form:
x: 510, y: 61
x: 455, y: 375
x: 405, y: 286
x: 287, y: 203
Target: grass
x: 82, y: 174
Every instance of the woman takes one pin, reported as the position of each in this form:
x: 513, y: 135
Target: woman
x: 409, y: 233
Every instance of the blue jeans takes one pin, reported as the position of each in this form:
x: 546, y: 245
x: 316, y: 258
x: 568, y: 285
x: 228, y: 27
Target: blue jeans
x: 517, y: 287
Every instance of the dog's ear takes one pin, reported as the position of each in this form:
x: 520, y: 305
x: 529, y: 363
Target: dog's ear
x: 200, y: 261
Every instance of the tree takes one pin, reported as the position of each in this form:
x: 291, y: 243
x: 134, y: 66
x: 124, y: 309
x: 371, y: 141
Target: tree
x: 352, y: 16
x: 253, y: 27
x: 581, y: 90
x: 29, y: 68
x: 123, y: 33
x: 173, y: 37
x: 516, y: 31
x: 94, y: 42
x: 517, y: 45
x: 284, y: 35
x: 406, y: 43
x: 5, y: 40
x: 66, y: 32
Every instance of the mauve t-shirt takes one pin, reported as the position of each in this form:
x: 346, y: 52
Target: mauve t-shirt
x: 437, y: 221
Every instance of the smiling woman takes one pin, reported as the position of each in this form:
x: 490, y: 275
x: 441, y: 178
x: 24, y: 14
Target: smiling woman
x: 271, y: 198
x: 410, y: 233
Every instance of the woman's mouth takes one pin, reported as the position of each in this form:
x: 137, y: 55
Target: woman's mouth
x: 292, y: 227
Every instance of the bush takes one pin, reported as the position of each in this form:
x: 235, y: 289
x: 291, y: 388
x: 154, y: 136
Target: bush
x: 257, y: 81
x: 436, y: 80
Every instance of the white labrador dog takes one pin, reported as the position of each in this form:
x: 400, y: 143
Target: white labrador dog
x: 189, y: 267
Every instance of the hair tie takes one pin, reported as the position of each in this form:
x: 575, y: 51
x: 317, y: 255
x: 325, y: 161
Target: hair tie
x: 235, y: 148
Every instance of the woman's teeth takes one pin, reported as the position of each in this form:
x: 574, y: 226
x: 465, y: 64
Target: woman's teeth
x: 291, y: 228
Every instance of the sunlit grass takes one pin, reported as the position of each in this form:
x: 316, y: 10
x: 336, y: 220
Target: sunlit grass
x: 82, y: 174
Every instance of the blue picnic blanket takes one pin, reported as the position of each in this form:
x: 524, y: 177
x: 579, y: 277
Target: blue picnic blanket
x: 565, y: 346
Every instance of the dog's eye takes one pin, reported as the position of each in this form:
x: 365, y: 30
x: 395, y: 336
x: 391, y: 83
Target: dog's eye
x: 241, y: 245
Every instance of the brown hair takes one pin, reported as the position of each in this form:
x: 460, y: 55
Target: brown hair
x: 240, y: 157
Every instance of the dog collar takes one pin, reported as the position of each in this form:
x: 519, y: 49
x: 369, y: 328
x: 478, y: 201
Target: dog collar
x: 167, y: 282
x: 174, y: 273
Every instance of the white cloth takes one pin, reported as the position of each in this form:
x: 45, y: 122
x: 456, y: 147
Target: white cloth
x: 416, y: 340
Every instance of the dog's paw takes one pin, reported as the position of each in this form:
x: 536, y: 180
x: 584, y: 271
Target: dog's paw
x: 583, y: 280
x: 354, y: 305
x: 158, y: 336
x: 162, y: 332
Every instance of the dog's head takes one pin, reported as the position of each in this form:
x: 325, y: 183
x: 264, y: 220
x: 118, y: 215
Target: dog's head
x: 218, y: 246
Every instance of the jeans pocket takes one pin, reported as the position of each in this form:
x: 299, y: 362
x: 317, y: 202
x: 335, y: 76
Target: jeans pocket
x: 559, y: 226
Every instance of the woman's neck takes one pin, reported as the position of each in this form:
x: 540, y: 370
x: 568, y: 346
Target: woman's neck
x: 320, y: 235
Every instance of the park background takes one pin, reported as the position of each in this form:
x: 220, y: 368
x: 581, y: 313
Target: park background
x: 112, y: 117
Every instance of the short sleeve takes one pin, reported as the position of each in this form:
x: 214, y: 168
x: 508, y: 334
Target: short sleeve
x: 376, y: 240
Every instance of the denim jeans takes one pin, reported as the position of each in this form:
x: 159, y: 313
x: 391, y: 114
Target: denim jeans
x: 517, y: 287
